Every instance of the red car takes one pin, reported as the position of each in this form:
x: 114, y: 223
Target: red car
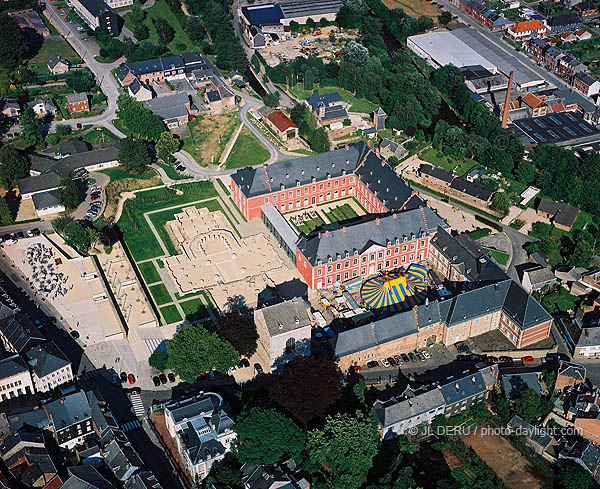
x: 355, y: 369
x: 131, y: 378
x: 95, y: 197
x: 527, y: 359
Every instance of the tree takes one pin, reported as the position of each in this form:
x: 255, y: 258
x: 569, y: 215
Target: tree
x: 194, y: 29
x: 356, y: 53
x: 503, y: 409
x: 549, y: 378
x: 309, y: 80
x: 13, y: 166
x: 226, y: 473
x: 31, y: 131
x: 398, y: 476
x: 445, y: 17
x: 480, y: 410
x: 582, y: 254
x: 139, y: 120
x: 63, y: 131
x: 80, y: 82
x: 393, y: 161
x: 5, y: 214
x: 525, y: 173
x: 141, y: 32
x: 166, y: 146
x: 13, y: 47
x: 346, y: 445
x: 501, y: 202
x: 531, y: 406
x: 319, y: 141
x: 68, y: 193
x: 134, y: 155
x: 137, y: 15
x: 196, y: 350
x: 60, y: 223
x: 159, y: 360
x: 266, y: 436
x: 240, y: 332
x: 77, y: 237
x: 573, y: 476
x: 271, y: 99
x: 315, y: 378
x: 164, y: 30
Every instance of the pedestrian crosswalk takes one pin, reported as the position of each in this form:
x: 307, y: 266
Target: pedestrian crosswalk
x: 131, y: 425
x: 138, y: 405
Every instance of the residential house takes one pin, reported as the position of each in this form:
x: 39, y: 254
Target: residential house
x: 586, y: 84
x: 562, y: 23
x: 50, y: 368
x: 571, y: 279
x: 140, y: 91
x: 15, y: 379
x: 28, y: 459
x: 30, y: 23
x: 460, y: 394
x: 527, y: 29
x: 18, y: 334
x: 475, y: 173
x: 488, y: 17
x: 585, y: 454
x: 203, y: 432
x: 284, y: 331
x: 282, y: 126
x: 43, y: 106
x: 552, y: 57
x: 585, y: 9
x: 120, y: 457
x: 172, y: 109
x: 583, y: 35
x: 98, y: 14
x: 85, y: 477
x: 535, y: 105
x: 569, y: 375
x: 389, y: 148
x: 561, y: 215
x: 10, y: 107
x: 538, y: 439
x: 57, y: 64
x: 143, y: 480
x: 77, y: 102
x: 277, y: 476
x: 47, y: 203
x: 22, y: 438
x: 72, y: 147
x: 71, y: 419
x: 220, y: 98
x: 328, y: 108
x: 514, y: 385
x: 568, y: 37
x: 537, y: 278
x: 536, y: 47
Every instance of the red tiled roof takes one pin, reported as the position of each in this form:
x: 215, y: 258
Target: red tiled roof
x: 54, y: 483
x: 528, y: 25
x: 532, y: 101
x: 281, y: 121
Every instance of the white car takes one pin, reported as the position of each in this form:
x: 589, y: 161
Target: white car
x: 426, y: 354
x: 385, y: 363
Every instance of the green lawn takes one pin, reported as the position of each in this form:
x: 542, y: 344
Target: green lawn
x: 357, y: 104
x: 170, y: 314
x: 49, y: 25
x: 100, y: 135
x: 161, y: 10
x: 247, y: 151
x: 558, y: 300
x: 208, y: 137
x: 172, y: 172
x: 499, y: 256
x: 458, y: 167
x: 148, y: 271
x: 341, y: 213
x: 118, y: 173
x: 194, y: 309
x: 137, y: 235
x: 160, y: 294
x: 309, y: 226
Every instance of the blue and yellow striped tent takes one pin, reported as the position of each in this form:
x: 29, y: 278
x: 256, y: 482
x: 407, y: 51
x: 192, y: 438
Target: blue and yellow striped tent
x: 396, y: 291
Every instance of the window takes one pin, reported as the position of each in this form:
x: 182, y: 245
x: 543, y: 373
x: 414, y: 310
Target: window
x: 290, y: 345
x: 355, y: 261
x: 274, y: 198
x: 347, y: 264
x: 298, y: 192
x: 363, y: 271
x: 346, y: 275
x: 320, y: 186
x: 319, y: 272
x: 329, y: 269
x: 343, y: 181
x: 364, y: 259
x: 380, y: 254
x: 266, y: 200
x: 305, y: 190
x: 336, y: 183
x: 328, y: 184
x: 290, y: 195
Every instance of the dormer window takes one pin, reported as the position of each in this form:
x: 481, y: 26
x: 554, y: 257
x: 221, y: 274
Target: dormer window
x: 313, y: 179
x: 301, y: 172
x: 338, y: 257
x: 355, y: 252
x: 282, y: 187
x: 318, y: 168
x: 297, y: 183
x: 329, y: 260
x: 397, y: 241
x: 405, y: 239
x: 287, y: 175
x: 344, y: 171
x: 319, y: 262
x: 347, y: 254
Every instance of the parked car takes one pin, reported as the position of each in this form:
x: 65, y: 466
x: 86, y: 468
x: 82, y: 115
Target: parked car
x: 491, y: 360
x: 426, y: 354
x: 398, y: 359
x: 462, y: 348
x: 171, y: 377
x: 95, y: 197
x: 29, y: 233
x: 393, y: 362
x: 258, y: 368
x: 163, y: 378
x: 384, y: 362
x: 75, y: 334
x: 421, y: 356
x: 244, y: 363
x: 355, y: 368
x: 476, y: 358
x: 505, y: 359
x: 156, y: 381
x: 123, y: 377
x: 20, y: 235
x: 373, y: 364
x: 412, y: 356
x: 527, y: 359
x: 131, y: 378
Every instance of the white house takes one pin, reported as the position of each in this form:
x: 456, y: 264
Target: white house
x: 49, y: 367
x: 15, y: 379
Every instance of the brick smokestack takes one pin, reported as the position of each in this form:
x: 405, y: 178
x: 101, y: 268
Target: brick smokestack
x: 507, y: 101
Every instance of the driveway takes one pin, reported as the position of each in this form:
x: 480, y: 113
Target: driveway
x: 101, y: 181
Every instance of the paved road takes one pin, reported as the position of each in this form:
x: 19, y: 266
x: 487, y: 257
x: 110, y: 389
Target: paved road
x: 87, y: 50
x: 496, y: 38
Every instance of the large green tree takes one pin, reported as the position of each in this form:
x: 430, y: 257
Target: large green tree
x: 531, y: 406
x: 13, y: 48
x: 316, y: 378
x: 79, y: 81
x: 13, y: 166
x: 573, y: 476
x: 266, y: 436
x: 78, y: 237
x: 31, y: 130
x: 194, y: 29
x: 165, y: 32
x: 159, y: 360
x: 134, y: 155
x: 501, y: 202
x: 68, y: 193
x: 139, y: 120
x: 166, y: 146
x: 195, y: 350
x: 319, y: 141
x: 5, y: 214
x: 345, y: 446
x: 240, y: 331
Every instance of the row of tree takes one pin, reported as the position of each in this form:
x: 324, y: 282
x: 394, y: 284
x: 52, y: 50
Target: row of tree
x: 306, y: 121
x: 139, y: 120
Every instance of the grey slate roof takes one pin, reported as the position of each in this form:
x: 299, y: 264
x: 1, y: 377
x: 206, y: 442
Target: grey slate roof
x: 20, y: 332
x: 282, y: 226
x: 540, y: 275
x: 36, y: 418
x: 437, y: 172
x: 535, y: 434
x: 85, y: 477
x: 190, y: 407
x: 38, y: 183
x: 327, y: 99
x: 428, y: 314
x: 372, y: 334
x: 120, y: 457
x: 46, y: 358
x: 73, y: 147
x: 54, y: 59
x: 563, y: 214
x: 394, y: 411
x: 69, y: 410
x: 45, y: 200
x: 23, y: 436
x: 76, y: 97
x: 563, y: 20
x: 361, y: 234
x: 169, y: 107
x: 334, y: 112
x: 213, y: 96
x: 514, y: 385
x: 143, y: 480
x: 463, y: 388
x: 41, y: 164
x: 473, y: 189
x: 286, y: 316
x: 585, y: 77
x: 12, y: 366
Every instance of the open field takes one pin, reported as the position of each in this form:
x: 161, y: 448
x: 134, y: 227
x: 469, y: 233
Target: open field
x: 247, y: 151
x: 459, y: 167
x: 414, y: 8
x: 357, y: 104
x: 161, y: 10
x: 209, y: 136
x: 506, y: 461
